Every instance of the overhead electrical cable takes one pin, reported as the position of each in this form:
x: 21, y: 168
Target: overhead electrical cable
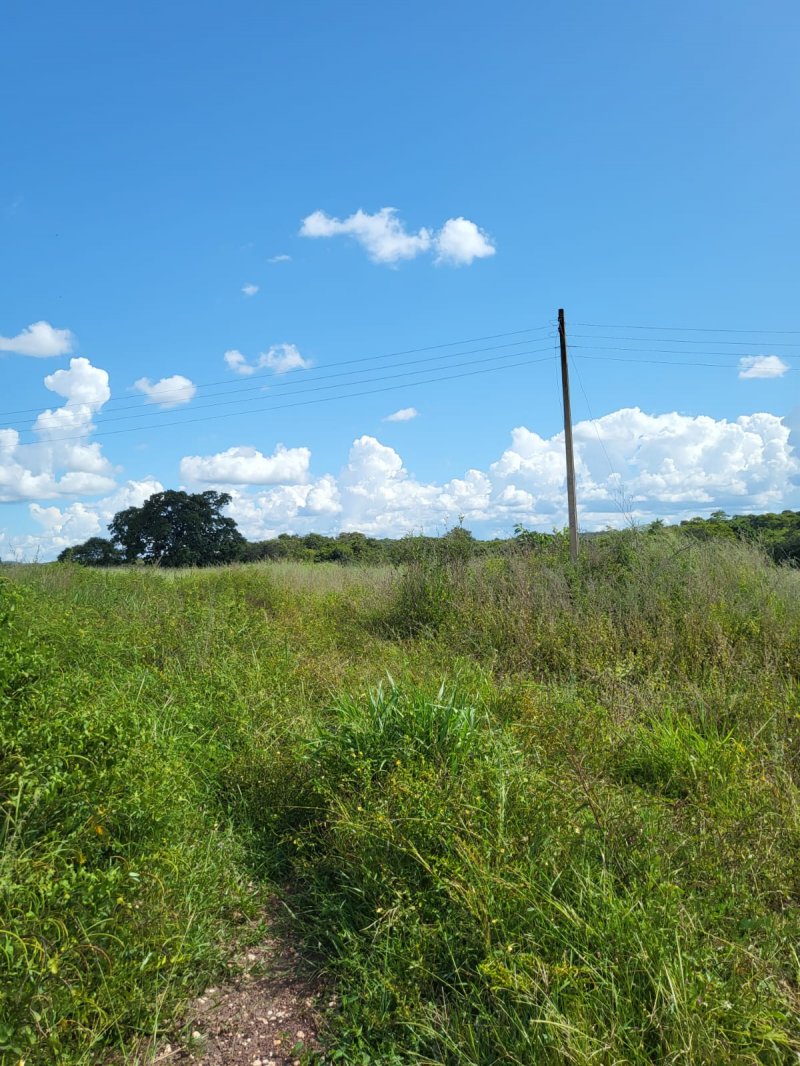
x: 144, y: 409
x: 281, y: 407
x: 691, y: 329
x: 684, y: 340
x: 339, y: 362
x: 664, y: 351
x: 304, y: 391
x: 618, y: 497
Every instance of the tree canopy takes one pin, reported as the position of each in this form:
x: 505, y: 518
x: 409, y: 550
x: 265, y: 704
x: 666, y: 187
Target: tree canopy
x: 178, y: 529
x: 96, y: 551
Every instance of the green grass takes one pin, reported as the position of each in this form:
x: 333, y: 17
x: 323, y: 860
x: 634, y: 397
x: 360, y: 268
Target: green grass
x: 528, y: 812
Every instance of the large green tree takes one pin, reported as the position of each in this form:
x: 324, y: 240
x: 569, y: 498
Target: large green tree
x: 178, y: 529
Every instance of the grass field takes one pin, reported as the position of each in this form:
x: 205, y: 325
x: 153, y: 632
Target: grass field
x: 528, y: 812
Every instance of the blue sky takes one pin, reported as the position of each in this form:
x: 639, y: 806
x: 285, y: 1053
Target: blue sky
x: 634, y: 163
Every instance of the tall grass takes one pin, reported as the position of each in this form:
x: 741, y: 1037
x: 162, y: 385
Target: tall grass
x: 528, y: 811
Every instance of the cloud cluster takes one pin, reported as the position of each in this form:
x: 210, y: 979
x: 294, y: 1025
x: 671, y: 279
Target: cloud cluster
x: 168, y: 392
x: 630, y: 465
x: 385, y: 238
x: 280, y: 358
x: 39, y: 340
x: 250, y: 289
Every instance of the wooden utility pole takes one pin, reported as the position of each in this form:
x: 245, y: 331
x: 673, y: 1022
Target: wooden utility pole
x: 571, y: 501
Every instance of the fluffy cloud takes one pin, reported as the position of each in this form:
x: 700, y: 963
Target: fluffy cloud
x: 659, y: 463
x: 287, y: 507
x: 40, y: 340
x: 250, y: 289
x: 51, y: 466
x: 168, y: 392
x: 460, y: 241
x: 386, y: 240
x: 280, y: 358
x: 382, y: 235
x: 405, y: 414
x: 248, y: 466
x: 279, y: 259
x: 81, y: 384
x: 85, y: 389
x: 762, y: 366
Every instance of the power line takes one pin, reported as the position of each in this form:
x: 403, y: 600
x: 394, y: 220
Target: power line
x: 315, y: 388
x: 690, y: 329
x: 592, y: 419
x: 664, y: 362
x: 142, y: 408
x: 340, y: 362
x: 619, y: 496
x: 281, y: 407
x: 686, y: 340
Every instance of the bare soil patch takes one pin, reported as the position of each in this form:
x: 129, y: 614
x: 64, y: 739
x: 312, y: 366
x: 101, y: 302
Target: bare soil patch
x: 268, y: 1013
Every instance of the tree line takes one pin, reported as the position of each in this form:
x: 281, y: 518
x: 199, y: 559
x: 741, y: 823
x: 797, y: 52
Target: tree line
x: 179, y: 529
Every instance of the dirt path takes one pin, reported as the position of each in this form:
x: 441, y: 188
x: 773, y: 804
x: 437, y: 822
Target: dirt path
x: 268, y: 1014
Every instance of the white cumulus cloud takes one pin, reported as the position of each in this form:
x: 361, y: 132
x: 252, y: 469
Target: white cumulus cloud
x: 629, y: 464
x: 279, y: 358
x: 382, y: 235
x: 168, y: 392
x: 40, y: 340
x: 247, y: 466
x: 762, y: 366
x: 250, y: 289
x: 460, y: 242
x: 385, y: 238
x: 279, y: 259
x: 85, y: 388
x: 405, y: 414
x: 82, y: 383
x: 61, y: 461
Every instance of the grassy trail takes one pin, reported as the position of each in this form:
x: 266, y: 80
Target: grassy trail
x: 529, y: 813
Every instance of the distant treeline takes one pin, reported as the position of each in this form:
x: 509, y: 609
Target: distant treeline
x: 176, y: 529
x: 779, y: 534
x: 359, y: 548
